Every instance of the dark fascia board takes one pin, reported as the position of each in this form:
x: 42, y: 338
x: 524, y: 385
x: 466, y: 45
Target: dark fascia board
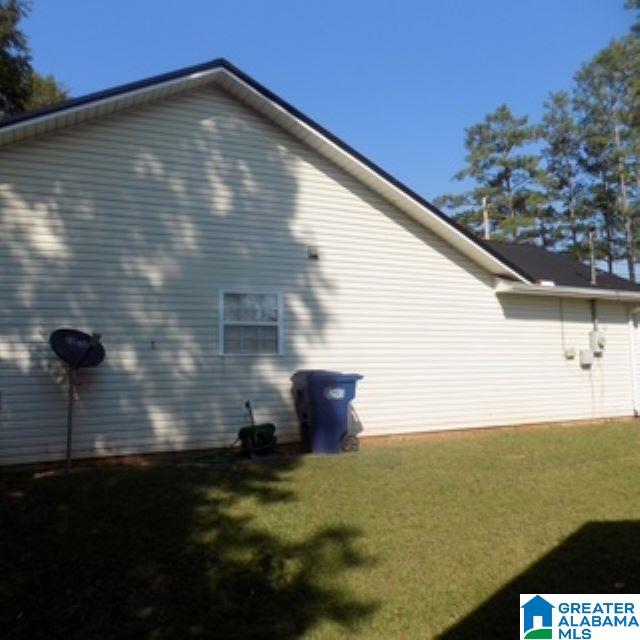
x: 112, y: 92
x: 221, y: 63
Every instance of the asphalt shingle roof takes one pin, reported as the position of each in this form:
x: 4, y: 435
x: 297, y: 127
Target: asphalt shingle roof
x: 561, y: 268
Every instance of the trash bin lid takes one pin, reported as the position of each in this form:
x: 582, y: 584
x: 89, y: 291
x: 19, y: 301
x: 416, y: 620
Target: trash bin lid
x: 301, y: 375
x: 334, y: 377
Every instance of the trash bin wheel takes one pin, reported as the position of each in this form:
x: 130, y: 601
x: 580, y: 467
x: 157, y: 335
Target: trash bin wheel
x: 350, y: 443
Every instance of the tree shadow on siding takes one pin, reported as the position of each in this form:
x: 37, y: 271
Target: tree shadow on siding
x: 173, y: 552
x: 600, y: 557
x: 129, y: 226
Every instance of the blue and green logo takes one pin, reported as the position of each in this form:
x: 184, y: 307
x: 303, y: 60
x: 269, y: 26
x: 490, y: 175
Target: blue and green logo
x: 537, y: 619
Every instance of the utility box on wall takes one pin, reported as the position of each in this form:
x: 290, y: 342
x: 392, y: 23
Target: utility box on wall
x: 586, y: 358
x: 597, y: 342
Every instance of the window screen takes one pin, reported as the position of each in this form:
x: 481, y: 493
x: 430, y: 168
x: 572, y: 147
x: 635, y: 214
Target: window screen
x: 251, y: 323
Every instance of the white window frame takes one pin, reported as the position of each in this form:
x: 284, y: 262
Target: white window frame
x: 257, y: 291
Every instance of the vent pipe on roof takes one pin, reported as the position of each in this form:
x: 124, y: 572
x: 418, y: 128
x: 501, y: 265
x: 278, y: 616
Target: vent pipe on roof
x: 485, y: 219
x: 592, y: 256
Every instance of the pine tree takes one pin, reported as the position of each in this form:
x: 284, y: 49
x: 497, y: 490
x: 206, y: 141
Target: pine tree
x: 607, y: 99
x: 634, y: 5
x: 503, y: 173
x: 561, y: 179
x: 15, y: 60
x: 44, y: 91
x: 21, y: 87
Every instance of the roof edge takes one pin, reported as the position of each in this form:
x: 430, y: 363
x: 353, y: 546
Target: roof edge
x: 112, y: 92
x: 504, y: 286
x: 375, y: 168
x: 223, y: 64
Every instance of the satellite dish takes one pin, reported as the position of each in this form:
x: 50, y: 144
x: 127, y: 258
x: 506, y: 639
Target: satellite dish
x: 77, y: 349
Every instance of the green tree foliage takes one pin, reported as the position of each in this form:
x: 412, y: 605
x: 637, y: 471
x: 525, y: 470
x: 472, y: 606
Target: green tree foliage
x: 607, y: 101
x: 21, y: 87
x: 561, y: 178
x: 15, y: 60
x: 634, y: 5
x: 44, y: 91
x: 503, y: 173
x: 585, y: 173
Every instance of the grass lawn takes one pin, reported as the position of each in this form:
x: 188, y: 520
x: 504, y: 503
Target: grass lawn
x: 426, y: 539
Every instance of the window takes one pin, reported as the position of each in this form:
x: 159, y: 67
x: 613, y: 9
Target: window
x: 251, y: 322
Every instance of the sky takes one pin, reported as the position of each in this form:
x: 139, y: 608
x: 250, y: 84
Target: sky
x: 398, y: 80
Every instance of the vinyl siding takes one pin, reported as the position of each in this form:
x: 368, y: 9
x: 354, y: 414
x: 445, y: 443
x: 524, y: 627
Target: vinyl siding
x: 131, y: 225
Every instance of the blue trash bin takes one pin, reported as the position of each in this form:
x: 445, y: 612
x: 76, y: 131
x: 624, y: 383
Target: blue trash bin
x: 330, y: 394
x: 302, y: 403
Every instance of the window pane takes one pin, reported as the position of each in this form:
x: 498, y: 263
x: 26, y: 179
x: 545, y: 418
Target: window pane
x: 255, y: 319
x: 247, y: 311
x: 270, y: 308
x: 243, y: 339
x: 250, y: 339
x: 251, y: 307
x: 268, y: 340
x: 233, y: 339
x: 232, y: 302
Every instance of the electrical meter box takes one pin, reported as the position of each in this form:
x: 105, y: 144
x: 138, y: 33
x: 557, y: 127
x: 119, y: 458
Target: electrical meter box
x: 597, y: 342
x: 586, y: 358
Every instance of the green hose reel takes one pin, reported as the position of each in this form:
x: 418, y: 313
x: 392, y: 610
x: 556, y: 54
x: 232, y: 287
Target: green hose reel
x: 257, y: 439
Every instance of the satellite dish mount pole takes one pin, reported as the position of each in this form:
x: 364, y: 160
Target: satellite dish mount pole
x: 72, y: 379
x: 76, y: 349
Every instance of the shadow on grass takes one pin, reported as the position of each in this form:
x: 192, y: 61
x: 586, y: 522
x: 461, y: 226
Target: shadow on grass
x: 162, y: 553
x: 600, y: 557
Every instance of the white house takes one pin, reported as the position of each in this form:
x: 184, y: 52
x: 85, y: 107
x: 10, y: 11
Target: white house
x: 219, y: 240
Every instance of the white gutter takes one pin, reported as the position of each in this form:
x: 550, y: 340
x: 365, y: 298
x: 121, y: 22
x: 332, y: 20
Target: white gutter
x: 503, y: 286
